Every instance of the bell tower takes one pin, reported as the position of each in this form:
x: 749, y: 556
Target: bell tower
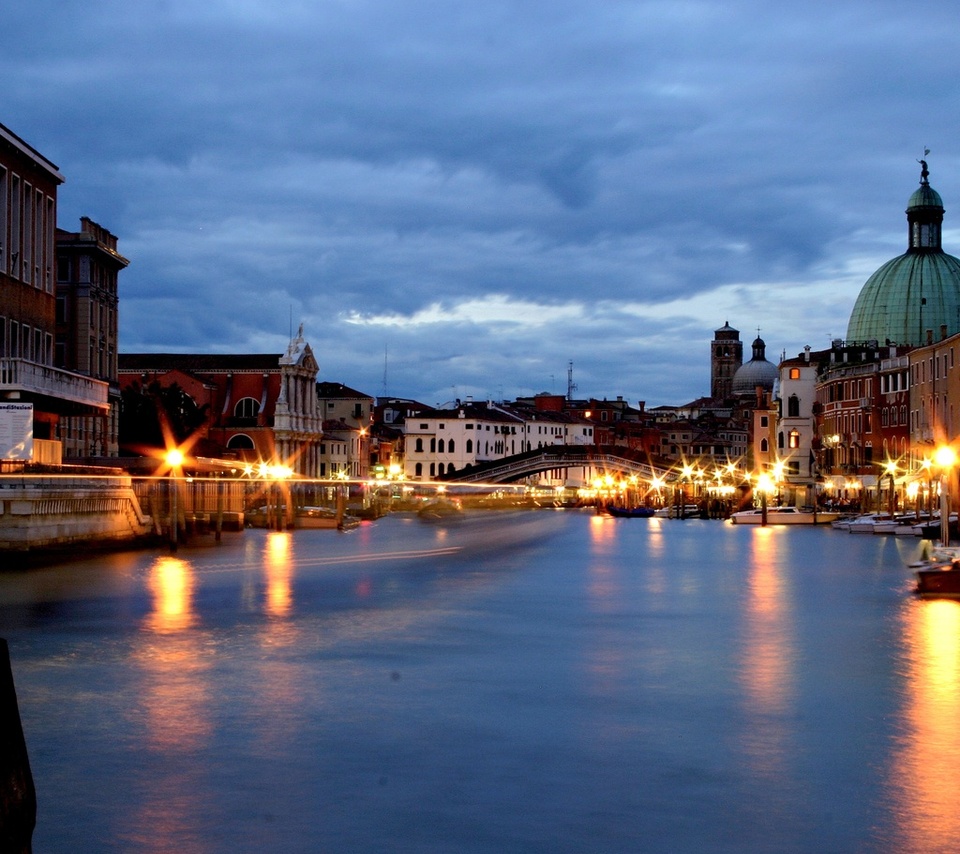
x: 726, y: 355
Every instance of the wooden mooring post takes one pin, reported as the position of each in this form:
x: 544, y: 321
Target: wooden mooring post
x: 18, y: 798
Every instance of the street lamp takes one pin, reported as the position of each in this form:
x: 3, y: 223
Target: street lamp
x: 945, y: 458
x: 890, y: 468
x: 174, y: 459
x: 765, y: 486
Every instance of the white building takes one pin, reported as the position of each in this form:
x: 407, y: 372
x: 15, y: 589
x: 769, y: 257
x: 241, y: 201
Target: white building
x: 796, y: 427
x: 441, y: 441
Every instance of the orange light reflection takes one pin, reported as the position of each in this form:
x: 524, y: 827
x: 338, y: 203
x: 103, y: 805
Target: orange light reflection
x: 925, y: 775
x: 768, y: 656
x: 279, y: 595
x: 170, y: 581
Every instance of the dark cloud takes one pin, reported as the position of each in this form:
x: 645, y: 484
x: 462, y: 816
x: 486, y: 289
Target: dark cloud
x: 488, y: 191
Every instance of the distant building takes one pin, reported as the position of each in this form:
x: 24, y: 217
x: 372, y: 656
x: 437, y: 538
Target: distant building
x: 726, y: 356
x: 259, y: 407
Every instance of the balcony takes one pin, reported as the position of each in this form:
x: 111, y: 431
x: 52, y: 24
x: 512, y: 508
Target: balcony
x: 52, y: 388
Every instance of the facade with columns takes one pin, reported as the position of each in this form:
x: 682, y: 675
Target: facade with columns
x: 259, y: 408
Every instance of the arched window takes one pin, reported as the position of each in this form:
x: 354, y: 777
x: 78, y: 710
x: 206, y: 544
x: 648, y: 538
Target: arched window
x: 433, y: 469
x: 419, y: 446
x: 247, y: 407
x: 469, y: 446
x: 794, y: 438
x: 764, y: 446
x: 240, y: 442
x: 441, y: 468
x: 451, y: 468
x: 433, y: 447
x: 418, y: 470
x: 793, y: 406
x: 780, y: 439
x: 440, y: 449
x: 450, y: 448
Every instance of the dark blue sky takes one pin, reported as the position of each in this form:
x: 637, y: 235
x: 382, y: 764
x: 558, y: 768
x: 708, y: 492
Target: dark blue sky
x: 473, y: 195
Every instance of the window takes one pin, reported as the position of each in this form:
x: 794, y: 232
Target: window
x: 764, y: 421
x: 794, y: 438
x: 764, y: 446
x: 247, y: 407
x: 240, y: 442
x: 450, y: 446
x: 469, y: 446
x: 794, y: 373
x: 419, y: 446
x: 793, y: 406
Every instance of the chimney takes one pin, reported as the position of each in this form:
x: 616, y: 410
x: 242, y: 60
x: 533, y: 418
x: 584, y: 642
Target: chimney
x: 806, y: 353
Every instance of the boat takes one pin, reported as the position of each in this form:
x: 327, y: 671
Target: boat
x: 867, y: 523
x: 901, y: 525
x: 940, y: 580
x: 783, y: 516
x: 303, y: 517
x: 630, y: 512
x: 678, y: 511
x: 440, y: 510
x: 323, y: 517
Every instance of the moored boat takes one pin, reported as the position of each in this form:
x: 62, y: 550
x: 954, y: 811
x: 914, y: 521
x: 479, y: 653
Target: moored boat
x: 783, y: 516
x: 630, y: 512
x: 940, y: 580
x: 303, y: 517
x: 678, y: 511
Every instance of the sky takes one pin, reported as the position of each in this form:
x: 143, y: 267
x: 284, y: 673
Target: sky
x: 478, y: 199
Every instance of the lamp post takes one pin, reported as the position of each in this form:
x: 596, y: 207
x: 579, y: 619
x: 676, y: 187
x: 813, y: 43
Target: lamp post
x: 890, y: 468
x: 766, y: 486
x: 945, y: 458
x: 174, y: 459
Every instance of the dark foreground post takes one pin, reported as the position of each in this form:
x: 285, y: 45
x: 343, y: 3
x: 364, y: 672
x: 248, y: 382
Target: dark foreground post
x: 18, y: 798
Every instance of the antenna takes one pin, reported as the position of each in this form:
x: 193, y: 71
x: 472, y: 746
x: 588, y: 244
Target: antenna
x: 384, y: 370
x: 571, y: 385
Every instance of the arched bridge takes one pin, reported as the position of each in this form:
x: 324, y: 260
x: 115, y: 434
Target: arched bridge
x: 608, y: 458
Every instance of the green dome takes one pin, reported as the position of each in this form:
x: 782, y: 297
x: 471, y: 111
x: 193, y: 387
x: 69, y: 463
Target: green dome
x: 925, y: 197
x: 916, y: 292
x: 907, y: 296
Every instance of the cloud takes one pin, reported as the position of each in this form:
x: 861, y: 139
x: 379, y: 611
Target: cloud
x: 488, y: 192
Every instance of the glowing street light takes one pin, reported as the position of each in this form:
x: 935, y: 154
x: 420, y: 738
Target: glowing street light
x: 174, y: 459
x: 766, y: 487
x: 945, y: 458
x: 890, y: 469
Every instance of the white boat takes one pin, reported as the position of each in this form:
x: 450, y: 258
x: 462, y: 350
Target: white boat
x: 866, y: 524
x: 901, y: 525
x: 676, y: 511
x: 784, y: 516
x: 844, y: 522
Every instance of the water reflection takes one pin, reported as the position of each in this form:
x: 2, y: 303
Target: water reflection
x: 768, y: 654
x: 172, y: 708
x: 279, y: 595
x: 170, y: 581
x: 925, y: 773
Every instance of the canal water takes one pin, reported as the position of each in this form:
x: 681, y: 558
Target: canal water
x: 545, y: 681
